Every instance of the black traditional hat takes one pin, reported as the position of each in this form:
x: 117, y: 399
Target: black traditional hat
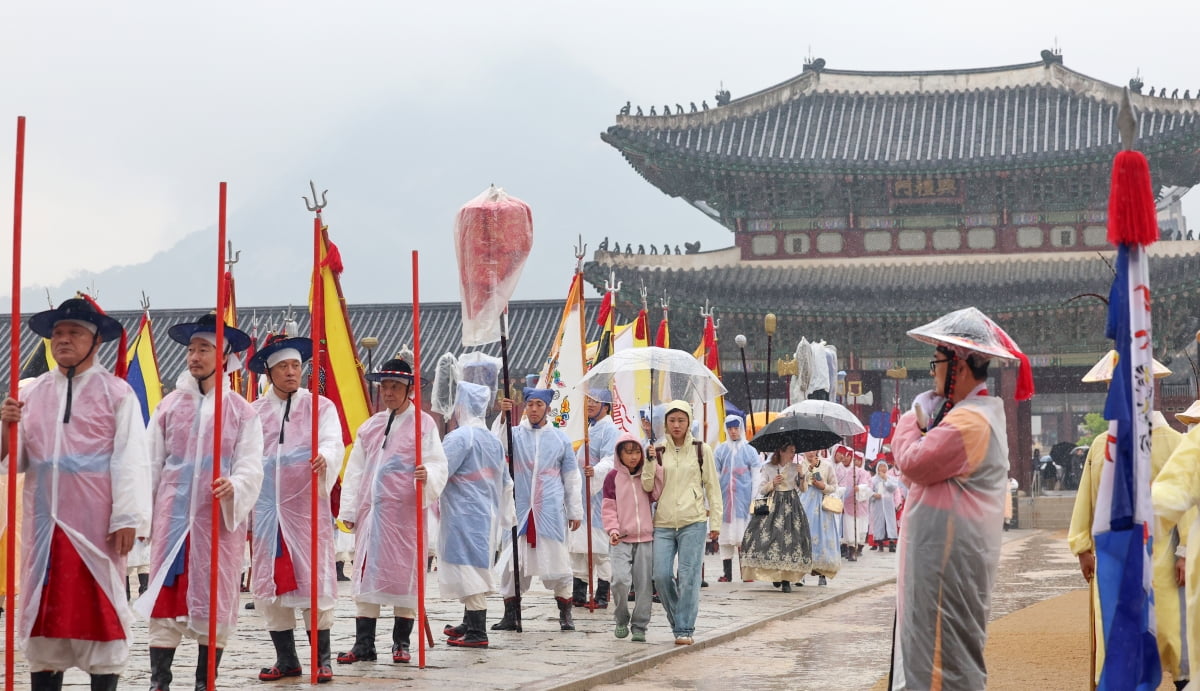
x: 258, y: 363
x: 236, y: 339
x: 76, y: 309
x: 396, y: 368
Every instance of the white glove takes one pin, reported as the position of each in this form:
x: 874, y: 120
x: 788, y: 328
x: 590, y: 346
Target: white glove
x: 926, y: 405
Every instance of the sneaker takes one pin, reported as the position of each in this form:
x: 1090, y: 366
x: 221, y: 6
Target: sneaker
x: 683, y: 640
x: 621, y: 631
x: 638, y: 637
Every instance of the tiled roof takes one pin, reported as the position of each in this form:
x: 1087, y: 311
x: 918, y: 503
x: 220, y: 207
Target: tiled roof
x: 842, y: 121
x: 532, y: 326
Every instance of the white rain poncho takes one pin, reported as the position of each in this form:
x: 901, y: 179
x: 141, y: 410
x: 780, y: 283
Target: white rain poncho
x: 379, y: 494
x: 283, y: 510
x: 950, y: 548
x: 446, y: 375
x: 602, y: 444
x: 547, y: 472
x: 181, y: 447
x: 88, y: 478
x: 737, y: 465
x: 477, y: 503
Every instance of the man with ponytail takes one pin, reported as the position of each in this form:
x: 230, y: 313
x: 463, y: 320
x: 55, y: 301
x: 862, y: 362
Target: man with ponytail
x: 951, y: 450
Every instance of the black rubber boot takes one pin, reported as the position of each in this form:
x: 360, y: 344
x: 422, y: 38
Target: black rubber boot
x: 511, y: 621
x: 105, y: 682
x: 565, y: 621
x: 364, y: 642
x: 46, y: 681
x: 202, y: 667
x: 457, y: 631
x: 400, y: 633
x: 579, y: 594
x: 324, y: 670
x: 476, y: 633
x: 602, y: 594
x: 160, y: 668
x: 143, y: 583
x: 787, y: 587
x: 726, y: 571
x: 287, y: 663
x: 341, y: 571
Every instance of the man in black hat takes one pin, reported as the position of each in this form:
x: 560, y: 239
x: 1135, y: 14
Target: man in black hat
x: 82, y: 448
x: 282, y: 535
x: 380, y: 504
x: 178, y: 601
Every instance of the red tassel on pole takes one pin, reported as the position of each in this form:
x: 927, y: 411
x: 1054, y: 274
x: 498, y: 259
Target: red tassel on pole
x: 317, y: 325
x: 418, y: 413
x: 1132, y: 216
x: 14, y: 377
x: 214, y: 602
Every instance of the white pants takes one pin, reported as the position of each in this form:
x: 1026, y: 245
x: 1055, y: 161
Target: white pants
x: 601, y: 566
x: 728, y: 551
x: 371, y: 610
x: 474, y: 603
x: 60, y: 654
x: 280, y: 618
x: 561, y: 585
x: 167, y: 633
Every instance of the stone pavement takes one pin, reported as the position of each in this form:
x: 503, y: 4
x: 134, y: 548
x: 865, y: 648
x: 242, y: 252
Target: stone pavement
x: 540, y: 658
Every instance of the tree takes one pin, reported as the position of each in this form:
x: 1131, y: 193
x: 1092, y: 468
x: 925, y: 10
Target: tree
x: 1093, y: 424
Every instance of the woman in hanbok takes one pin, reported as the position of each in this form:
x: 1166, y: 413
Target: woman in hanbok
x: 820, y: 482
x: 777, y: 546
x: 883, y: 510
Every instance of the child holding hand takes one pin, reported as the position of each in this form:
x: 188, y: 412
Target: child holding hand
x: 629, y: 523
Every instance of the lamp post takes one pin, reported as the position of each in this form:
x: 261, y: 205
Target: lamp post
x: 740, y: 340
x: 370, y: 343
x: 769, y: 328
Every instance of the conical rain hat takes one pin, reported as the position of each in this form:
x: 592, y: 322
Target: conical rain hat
x: 1190, y: 416
x: 1102, y: 371
x: 965, y: 329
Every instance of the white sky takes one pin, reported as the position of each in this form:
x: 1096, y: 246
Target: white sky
x: 138, y: 108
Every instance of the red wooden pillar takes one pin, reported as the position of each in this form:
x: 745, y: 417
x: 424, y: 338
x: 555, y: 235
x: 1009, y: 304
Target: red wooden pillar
x: 1019, y: 422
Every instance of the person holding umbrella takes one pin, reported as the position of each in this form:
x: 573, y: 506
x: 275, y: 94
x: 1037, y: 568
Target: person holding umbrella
x: 777, y: 546
x: 281, y: 573
x: 952, y: 451
x: 689, y: 481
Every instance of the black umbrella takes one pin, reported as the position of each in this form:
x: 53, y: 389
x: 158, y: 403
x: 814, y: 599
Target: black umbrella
x: 803, y: 432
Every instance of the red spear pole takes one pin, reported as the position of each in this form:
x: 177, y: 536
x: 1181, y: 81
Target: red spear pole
x: 214, y: 604
x: 318, y: 326
x: 14, y: 376
x: 420, y: 485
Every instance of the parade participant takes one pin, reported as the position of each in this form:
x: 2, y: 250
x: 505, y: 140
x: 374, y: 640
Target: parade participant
x: 1163, y: 442
x: 476, y: 506
x: 602, y: 436
x: 178, y: 601
x: 281, y: 574
x: 629, y: 522
x: 952, y: 450
x: 884, y: 531
x: 689, y: 480
x: 855, y: 482
x: 86, y: 498
x: 379, y: 503
x: 737, y: 464
x: 777, y: 546
x: 820, y: 484
x: 549, y: 505
x: 1176, y: 496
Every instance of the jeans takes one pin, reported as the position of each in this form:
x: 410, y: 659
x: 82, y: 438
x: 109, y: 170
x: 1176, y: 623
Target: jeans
x: 680, y: 599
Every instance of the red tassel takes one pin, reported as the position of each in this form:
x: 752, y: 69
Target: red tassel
x: 1132, y: 218
x: 640, y: 329
x: 605, y: 309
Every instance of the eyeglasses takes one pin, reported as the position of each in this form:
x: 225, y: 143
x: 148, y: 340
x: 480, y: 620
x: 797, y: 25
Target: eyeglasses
x: 934, y: 363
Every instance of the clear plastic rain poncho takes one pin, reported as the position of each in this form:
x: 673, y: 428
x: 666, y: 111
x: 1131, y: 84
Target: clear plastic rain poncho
x: 477, y: 504
x: 493, y: 234
x: 379, y: 495
x: 602, y: 441
x: 181, y: 446
x: 282, y: 515
x: 549, y: 491
x: 88, y: 478
x: 445, y: 382
x: 737, y: 465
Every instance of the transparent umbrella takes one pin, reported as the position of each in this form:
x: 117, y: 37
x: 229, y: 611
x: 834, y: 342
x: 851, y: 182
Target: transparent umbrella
x: 674, y: 374
x: 836, y: 416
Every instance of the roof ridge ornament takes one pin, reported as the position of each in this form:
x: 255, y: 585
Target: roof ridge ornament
x: 1127, y: 122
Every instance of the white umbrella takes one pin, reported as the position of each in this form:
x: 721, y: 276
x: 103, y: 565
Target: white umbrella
x: 836, y: 416
x: 675, y: 374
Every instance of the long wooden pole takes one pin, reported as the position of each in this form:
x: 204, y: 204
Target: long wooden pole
x: 509, y: 416
x: 417, y: 415
x: 219, y: 379
x: 317, y: 326
x: 587, y: 441
x: 14, y: 377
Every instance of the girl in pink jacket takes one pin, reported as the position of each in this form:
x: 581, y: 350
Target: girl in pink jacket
x: 629, y: 523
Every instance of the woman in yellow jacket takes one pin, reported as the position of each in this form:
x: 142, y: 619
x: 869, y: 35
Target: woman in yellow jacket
x: 690, y: 500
